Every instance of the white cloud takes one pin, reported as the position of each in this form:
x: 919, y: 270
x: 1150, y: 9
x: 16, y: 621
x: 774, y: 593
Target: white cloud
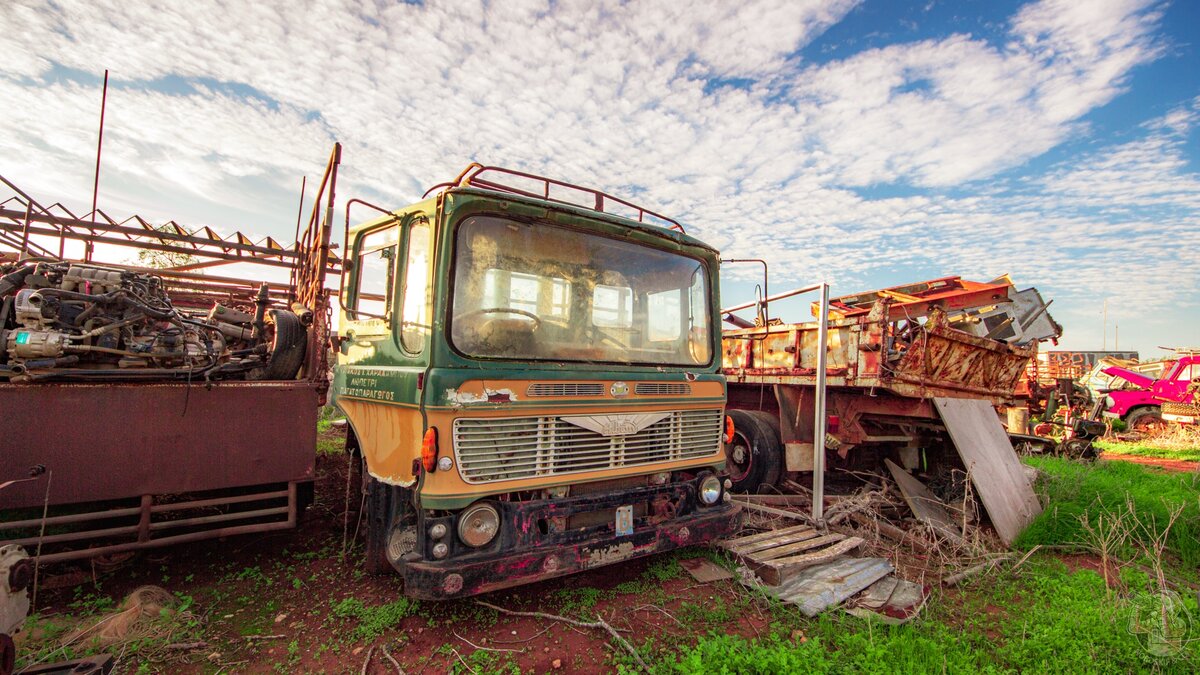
x: 704, y: 108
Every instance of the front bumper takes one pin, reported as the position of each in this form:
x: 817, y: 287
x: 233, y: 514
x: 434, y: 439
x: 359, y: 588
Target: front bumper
x: 523, y: 553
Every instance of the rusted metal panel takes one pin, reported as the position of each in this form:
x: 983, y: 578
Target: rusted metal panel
x: 947, y: 294
x: 943, y: 359
x: 938, y: 361
x: 119, y: 440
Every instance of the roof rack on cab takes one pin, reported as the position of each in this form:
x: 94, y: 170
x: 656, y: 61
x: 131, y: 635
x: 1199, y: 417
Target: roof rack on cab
x: 539, y: 187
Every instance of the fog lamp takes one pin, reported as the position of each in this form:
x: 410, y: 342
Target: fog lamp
x: 437, y: 531
x: 445, y: 464
x: 440, y: 550
x: 478, y: 524
x: 710, y: 490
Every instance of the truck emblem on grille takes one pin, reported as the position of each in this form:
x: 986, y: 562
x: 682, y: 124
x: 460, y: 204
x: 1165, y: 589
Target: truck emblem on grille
x: 616, y: 425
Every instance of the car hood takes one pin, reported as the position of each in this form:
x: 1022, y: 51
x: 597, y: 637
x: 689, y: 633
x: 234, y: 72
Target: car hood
x: 1130, y: 375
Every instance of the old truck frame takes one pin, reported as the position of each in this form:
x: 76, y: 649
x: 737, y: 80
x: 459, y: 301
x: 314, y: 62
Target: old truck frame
x: 890, y: 354
x: 530, y: 374
x: 121, y: 457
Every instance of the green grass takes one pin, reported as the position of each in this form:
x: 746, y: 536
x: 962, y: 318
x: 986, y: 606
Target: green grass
x: 1140, y: 450
x: 374, y: 621
x: 1076, y: 489
x: 1048, y: 620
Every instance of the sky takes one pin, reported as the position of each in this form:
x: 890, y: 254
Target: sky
x: 866, y: 143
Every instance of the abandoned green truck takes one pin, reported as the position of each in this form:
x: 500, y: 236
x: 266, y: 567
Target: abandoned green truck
x: 530, y: 371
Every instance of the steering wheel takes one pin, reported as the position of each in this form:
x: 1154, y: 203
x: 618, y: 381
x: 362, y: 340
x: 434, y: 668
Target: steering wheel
x: 537, y: 321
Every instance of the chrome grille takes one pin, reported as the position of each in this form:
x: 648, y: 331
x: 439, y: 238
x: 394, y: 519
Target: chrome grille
x: 565, y: 389
x: 662, y: 388
x: 526, y: 447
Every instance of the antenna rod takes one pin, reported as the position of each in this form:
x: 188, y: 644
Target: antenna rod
x: 87, y: 251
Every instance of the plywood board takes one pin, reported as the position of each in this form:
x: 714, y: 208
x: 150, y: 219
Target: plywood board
x: 704, y: 570
x: 925, y: 506
x: 730, y: 544
x: 992, y: 463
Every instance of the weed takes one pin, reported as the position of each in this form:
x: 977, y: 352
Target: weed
x: 1048, y: 620
x: 1078, y: 492
x: 373, y: 621
x: 580, y: 601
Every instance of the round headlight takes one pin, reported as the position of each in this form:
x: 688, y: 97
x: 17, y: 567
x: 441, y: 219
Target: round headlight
x: 445, y: 464
x: 440, y: 550
x: 437, y: 531
x: 478, y: 525
x: 710, y: 490
x: 1109, y: 402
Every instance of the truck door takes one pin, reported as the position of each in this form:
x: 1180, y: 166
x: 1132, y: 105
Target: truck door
x: 384, y: 348
x: 1172, y: 388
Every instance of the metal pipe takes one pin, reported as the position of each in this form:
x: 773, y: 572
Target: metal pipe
x: 820, y: 420
x: 165, y: 541
x: 133, y: 233
x: 781, y: 296
x: 759, y: 304
x: 87, y: 247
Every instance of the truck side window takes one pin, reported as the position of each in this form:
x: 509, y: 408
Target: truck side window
x: 376, y: 273
x: 414, y: 326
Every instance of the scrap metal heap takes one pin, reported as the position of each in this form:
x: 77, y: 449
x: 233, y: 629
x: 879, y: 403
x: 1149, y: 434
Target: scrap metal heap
x: 66, y: 320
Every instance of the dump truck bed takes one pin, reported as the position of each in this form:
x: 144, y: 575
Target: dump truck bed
x: 865, y: 352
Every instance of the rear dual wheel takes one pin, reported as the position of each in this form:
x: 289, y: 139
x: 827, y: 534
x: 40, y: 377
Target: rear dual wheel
x: 755, y: 457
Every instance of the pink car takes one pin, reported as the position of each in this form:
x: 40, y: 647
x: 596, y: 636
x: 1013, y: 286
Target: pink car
x: 1141, y: 408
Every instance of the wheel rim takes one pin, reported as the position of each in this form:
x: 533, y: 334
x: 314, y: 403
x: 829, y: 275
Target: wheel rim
x: 739, y: 457
x: 1148, y: 424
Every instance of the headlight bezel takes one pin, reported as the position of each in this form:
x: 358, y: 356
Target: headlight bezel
x: 708, y: 490
x: 468, y: 527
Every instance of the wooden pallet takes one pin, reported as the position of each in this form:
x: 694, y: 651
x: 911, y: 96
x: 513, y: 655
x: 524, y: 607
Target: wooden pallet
x: 777, y: 555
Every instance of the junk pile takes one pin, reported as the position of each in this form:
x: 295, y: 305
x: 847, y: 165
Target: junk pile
x: 65, y: 320
x: 885, y: 541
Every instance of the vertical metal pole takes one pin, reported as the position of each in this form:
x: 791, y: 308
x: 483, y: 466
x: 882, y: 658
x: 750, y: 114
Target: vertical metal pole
x: 1104, y: 340
x: 299, y: 249
x: 25, y: 252
x: 87, y: 248
x: 819, y: 417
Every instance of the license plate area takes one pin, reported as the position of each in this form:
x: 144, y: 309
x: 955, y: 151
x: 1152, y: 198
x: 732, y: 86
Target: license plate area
x: 624, y: 521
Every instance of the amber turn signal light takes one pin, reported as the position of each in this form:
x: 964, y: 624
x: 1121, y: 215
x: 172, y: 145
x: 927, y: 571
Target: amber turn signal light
x: 429, y: 450
x: 729, y: 429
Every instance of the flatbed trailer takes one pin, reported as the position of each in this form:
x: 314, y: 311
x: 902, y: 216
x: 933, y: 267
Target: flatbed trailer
x: 94, y: 468
x: 889, y: 355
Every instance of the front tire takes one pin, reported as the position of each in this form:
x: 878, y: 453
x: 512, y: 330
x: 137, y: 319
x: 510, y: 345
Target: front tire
x: 755, y: 457
x: 385, y: 511
x: 1145, y: 420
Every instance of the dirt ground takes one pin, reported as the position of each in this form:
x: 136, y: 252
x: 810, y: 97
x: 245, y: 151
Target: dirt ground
x: 1177, y: 465
x: 288, y: 587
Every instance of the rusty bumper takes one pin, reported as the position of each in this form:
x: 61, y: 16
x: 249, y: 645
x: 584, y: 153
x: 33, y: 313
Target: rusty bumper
x: 529, y: 555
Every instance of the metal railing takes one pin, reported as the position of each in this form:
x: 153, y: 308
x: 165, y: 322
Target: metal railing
x: 474, y: 176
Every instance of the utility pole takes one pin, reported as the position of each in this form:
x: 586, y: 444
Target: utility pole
x: 1104, y: 340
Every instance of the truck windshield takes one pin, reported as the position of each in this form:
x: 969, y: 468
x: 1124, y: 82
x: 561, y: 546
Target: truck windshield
x: 541, y: 292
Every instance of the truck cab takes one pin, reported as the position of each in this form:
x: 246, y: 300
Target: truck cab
x: 530, y: 374
x: 1141, y: 408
